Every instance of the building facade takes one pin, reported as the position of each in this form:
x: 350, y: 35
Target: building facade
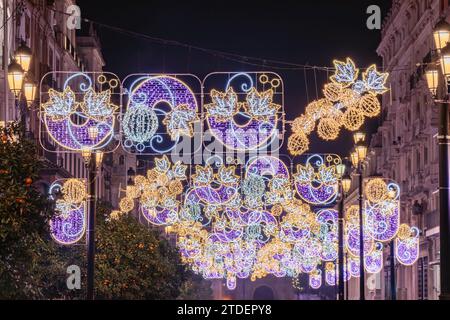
x: 42, y: 26
x: 405, y: 147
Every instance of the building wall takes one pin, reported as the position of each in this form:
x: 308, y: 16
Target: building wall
x: 43, y: 27
x: 405, y: 146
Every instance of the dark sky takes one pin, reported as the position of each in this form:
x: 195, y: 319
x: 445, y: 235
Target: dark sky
x: 310, y: 32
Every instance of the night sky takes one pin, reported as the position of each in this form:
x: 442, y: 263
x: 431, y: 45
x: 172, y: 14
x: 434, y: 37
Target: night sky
x: 304, y: 32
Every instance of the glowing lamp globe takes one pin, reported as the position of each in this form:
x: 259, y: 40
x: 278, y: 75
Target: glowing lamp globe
x: 445, y: 61
x: 15, y: 77
x: 441, y: 35
x: 346, y: 183
x: 359, y: 136
x: 361, y: 150
x: 354, y: 158
x: 29, y: 90
x: 23, y: 57
x: 432, y: 77
x: 340, y: 170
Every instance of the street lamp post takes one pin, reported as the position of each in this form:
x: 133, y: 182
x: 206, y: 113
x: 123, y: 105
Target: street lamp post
x: 358, y: 157
x: 93, y: 162
x: 441, y: 36
x: 344, y: 186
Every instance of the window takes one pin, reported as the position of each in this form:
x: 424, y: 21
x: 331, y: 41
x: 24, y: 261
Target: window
x: 422, y: 285
x: 121, y: 160
x: 425, y: 155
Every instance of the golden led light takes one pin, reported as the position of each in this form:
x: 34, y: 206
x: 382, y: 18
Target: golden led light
x: 376, y: 190
x: 333, y: 91
x: 298, y: 143
x: 74, y: 191
x: 340, y: 170
x: 126, y: 205
x: 369, y: 106
x: 328, y: 129
x: 352, y: 119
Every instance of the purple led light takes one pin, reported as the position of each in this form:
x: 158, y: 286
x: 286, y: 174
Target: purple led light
x: 68, y: 228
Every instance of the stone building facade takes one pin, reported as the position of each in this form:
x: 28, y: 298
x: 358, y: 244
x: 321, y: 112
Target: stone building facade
x: 42, y: 25
x: 405, y: 147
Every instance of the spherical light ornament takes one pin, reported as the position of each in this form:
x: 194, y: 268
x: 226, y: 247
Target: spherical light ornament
x: 328, y: 129
x: 303, y: 124
x: 139, y: 124
x: 352, y: 214
x: 376, y: 190
x: 333, y: 91
x: 350, y: 98
x: 298, y: 143
x: 150, y: 198
x: 277, y: 210
x: 140, y: 182
x: 126, y: 205
x: 370, y: 106
x: 176, y: 187
x: 352, y: 119
x: 115, y: 215
x: 152, y: 175
x: 74, y: 191
x: 132, y: 192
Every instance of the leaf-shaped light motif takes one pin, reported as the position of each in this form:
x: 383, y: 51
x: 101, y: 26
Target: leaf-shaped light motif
x: 180, y: 121
x: 61, y: 104
x: 98, y: 105
x: 203, y: 176
x: 260, y: 105
x: 224, y: 105
x: 179, y: 171
x: 162, y: 164
x: 346, y: 72
x: 305, y: 174
x: 375, y: 81
x: 227, y: 176
x: 327, y: 175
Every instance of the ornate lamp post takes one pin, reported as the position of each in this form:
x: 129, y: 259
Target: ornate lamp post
x: 345, y: 185
x: 358, y: 157
x: 93, y: 162
x: 23, y: 56
x: 441, y: 38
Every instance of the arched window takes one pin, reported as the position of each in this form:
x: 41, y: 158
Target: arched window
x: 121, y: 160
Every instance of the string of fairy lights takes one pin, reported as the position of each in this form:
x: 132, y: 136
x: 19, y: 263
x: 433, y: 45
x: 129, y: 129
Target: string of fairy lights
x: 231, y: 219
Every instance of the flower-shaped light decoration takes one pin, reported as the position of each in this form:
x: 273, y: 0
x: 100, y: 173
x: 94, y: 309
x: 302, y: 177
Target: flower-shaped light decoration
x: 346, y: 104
x: 407, y: 245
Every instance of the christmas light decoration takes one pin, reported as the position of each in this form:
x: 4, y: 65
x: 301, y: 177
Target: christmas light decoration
x: 69, y: 224
x: 407, y: 245
x: 244, y: 125
x: 347, y: 102
x: 146, y: 110
x: 71, y: 123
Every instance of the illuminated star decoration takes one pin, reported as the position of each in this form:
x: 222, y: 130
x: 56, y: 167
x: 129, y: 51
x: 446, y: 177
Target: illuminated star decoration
x: 348, y: 101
